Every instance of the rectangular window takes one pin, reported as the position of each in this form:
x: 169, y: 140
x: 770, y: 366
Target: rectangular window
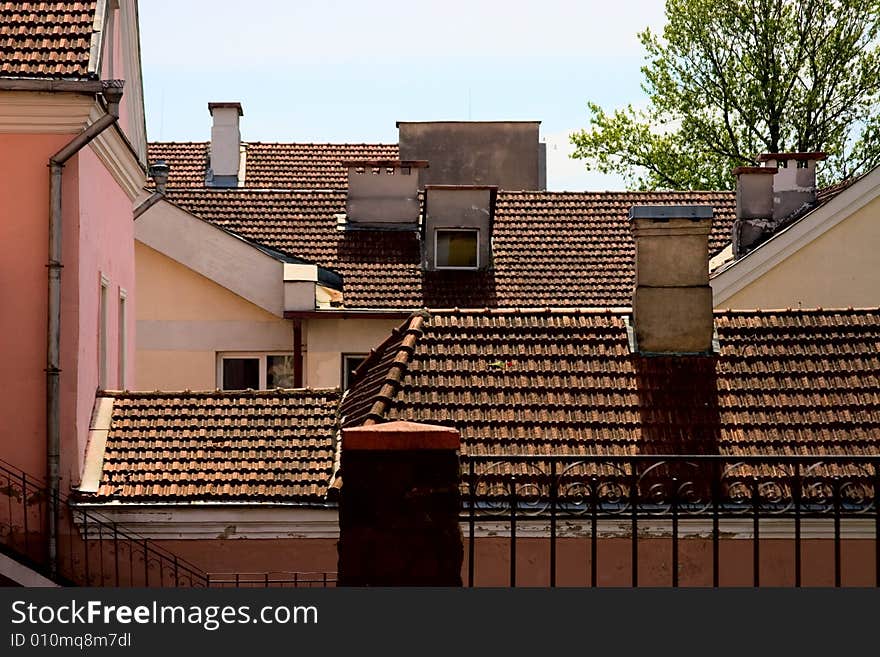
x: 456, y: 248
x: 122, y: 339
x: 279, y: 372
x: 255, y: 371
x: 102, y: 334
x: 350, y: 362
x: 241, y: 373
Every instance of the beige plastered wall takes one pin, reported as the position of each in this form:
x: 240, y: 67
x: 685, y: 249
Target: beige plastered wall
x: 836, y: 270
x: 185, y: 319
x: 327, y: 339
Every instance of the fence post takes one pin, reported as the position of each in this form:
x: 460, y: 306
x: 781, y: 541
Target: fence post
x: 399, y: 506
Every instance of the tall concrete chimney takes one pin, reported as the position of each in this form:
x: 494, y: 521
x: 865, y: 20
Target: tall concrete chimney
x: 225, y: 144
x: 672, y: 301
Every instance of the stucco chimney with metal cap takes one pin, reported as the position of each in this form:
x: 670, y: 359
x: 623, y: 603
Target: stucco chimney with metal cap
x: 225, y: 144
x: 672, y: 301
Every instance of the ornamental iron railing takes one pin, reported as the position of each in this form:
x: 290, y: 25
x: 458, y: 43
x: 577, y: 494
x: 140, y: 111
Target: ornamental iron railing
x: 816, y: 519
x: 93, y: 550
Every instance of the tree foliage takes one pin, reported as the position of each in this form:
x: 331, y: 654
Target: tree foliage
x: 729, y: 80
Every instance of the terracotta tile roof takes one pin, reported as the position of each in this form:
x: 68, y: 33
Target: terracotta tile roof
x: 45, y: 39
x: 550, y: 248
x: 270, y: 446
x: 272, y: 165
x: 539, y: 382
x: 188, y: 161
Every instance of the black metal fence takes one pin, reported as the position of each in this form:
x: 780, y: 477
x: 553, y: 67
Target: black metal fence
x: 94, y: 551
x: 599, y: 503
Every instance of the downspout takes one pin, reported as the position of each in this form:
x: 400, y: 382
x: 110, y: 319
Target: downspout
x: 297, y: 353
x: 112, y: 92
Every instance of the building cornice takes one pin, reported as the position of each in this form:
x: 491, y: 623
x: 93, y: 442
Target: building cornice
x: 24, y: 111
x: 220, y: 521
x: 118, y: 156
x: 268, y: 521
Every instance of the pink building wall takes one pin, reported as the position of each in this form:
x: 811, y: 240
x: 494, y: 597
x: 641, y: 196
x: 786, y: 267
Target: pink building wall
x: 105, y: 242
x: 97, y: 237
x: 24, y: 212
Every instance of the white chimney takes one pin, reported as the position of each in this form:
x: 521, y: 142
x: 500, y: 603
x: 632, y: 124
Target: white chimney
x: 672, y: 301
x: 794, y: 185
x: 225, y: 144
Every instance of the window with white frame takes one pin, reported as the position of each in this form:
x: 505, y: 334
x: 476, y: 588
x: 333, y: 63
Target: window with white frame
x: 457, y: 248
x: 256, y: 371
x: 350, y: 362
x: 122, y: 336
x: 102, y: 333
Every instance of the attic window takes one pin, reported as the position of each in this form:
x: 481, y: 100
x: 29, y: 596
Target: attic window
x: 457, y: 248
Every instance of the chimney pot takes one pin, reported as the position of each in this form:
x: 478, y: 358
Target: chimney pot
x: 159, y: 171
x: 225, y: 144
x: 672, y: 301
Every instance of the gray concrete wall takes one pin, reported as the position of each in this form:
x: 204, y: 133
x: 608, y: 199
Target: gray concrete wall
x: 506, y: 154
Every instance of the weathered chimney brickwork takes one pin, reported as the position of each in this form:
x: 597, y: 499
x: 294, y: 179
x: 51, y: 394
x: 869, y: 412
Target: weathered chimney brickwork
x: 672, y: 301
x: 399, y: 506
x: 767, y: 197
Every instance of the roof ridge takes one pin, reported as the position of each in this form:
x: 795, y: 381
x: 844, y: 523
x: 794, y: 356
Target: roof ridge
x: 394, y: 376
x: 169, y: 394
x: 817, y: 310
x: 248, y: 190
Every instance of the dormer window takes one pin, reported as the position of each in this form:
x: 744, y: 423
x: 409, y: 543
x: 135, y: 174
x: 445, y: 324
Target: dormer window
x: 457, y: 248
x: 457, y: 229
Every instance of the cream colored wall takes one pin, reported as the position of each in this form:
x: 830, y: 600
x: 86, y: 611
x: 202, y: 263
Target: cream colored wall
x: 327, y: 339
x: 176, y: 370
x: 184, y: 319
x: 837, y: 270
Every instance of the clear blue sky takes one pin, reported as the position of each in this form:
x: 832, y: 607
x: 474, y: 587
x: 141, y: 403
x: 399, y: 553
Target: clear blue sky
x: 343, y: 71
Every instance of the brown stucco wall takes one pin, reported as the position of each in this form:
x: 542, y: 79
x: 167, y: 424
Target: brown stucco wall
x: 614, y: 564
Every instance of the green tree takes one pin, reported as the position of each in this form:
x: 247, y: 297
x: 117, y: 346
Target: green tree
x: 730, y: 79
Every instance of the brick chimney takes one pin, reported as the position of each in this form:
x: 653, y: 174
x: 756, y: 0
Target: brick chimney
x: 672, y: 301
x: 225, y: 144
x: 768, y: 197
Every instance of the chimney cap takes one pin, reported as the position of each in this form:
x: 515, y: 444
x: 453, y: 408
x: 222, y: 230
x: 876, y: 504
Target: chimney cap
x: 396, y: 164
x: 493, y: 188
x: 767, y: 170
x: 818, y: 155
x: 667, y: 212
x: 213, y: 106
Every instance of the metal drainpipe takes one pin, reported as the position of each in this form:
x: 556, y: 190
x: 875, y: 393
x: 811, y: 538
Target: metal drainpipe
x: 112, y: 91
